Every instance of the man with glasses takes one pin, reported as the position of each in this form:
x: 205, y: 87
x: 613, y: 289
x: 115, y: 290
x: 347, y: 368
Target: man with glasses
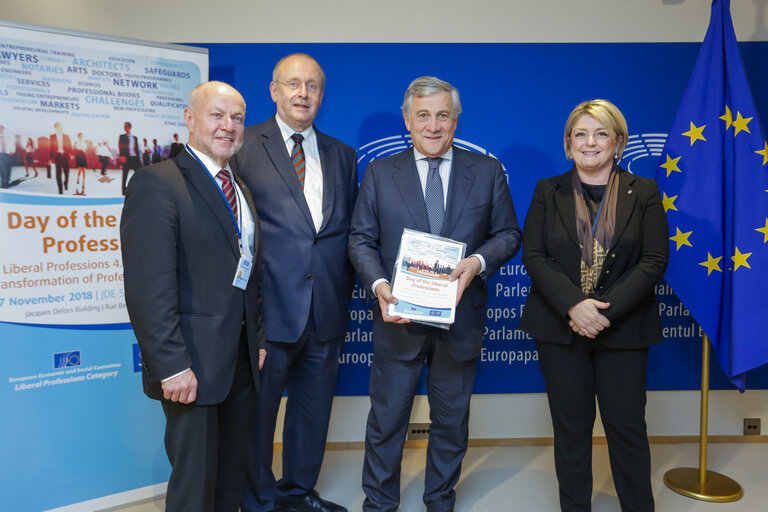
x: 304, y: 184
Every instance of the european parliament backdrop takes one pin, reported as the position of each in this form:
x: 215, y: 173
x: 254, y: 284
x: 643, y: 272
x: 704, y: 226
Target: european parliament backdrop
x: 515, y: 100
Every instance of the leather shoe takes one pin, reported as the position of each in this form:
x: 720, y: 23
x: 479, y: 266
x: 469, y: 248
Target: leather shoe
x: 312, y: 502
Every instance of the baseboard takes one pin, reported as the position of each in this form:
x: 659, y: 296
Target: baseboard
x: 548, y: 441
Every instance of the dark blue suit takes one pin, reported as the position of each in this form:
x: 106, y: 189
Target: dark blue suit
x: 479, y: 212
x: 306, y: 284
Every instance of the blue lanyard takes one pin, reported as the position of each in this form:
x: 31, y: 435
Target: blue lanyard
x: 597, y: 215
x: 221, y: 192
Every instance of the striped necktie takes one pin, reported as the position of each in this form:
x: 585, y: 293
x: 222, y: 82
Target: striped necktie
x: 297, y: 157
x: 228, y: 188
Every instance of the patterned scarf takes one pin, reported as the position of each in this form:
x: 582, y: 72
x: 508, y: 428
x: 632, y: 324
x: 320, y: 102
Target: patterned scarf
x: 594, y: 248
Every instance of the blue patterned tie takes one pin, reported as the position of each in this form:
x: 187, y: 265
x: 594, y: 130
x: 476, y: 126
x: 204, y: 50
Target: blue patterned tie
x: 433, y: 197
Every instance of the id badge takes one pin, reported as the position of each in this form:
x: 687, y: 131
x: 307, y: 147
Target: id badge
x: 243, y: 272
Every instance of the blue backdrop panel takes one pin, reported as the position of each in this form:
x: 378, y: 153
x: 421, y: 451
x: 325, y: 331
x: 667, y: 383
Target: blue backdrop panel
x: 515, y: 100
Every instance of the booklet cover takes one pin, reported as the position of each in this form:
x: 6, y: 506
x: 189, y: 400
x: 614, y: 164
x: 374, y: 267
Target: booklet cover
x: 420, y: 280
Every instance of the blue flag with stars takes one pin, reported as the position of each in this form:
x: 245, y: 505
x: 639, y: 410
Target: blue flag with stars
x: 713, y: 175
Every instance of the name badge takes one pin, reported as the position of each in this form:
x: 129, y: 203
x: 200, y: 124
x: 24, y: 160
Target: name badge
x: 243, y: 272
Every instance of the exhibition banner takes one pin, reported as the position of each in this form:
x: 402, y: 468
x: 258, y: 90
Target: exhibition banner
x: 76, y: 424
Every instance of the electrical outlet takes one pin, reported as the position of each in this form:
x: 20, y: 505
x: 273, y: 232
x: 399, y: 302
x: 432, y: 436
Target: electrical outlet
x: 751, y: 426
x: 418, y: 431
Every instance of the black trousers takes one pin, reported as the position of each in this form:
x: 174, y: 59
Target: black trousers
x: 62, y: 171
x: 131, y: 163
x: 207, y: 446
x: 574, y: 375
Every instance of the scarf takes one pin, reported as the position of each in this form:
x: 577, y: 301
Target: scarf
x: 594, y: 247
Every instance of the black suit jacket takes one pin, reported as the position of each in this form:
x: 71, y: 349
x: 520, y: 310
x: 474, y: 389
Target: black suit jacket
x: 636, y: 261
x: 180, y: 252
x: 124, y: 147
x: 302, y: 268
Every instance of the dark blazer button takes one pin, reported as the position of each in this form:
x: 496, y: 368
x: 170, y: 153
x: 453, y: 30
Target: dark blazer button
x: 315, y: 241
x: 309, y: 277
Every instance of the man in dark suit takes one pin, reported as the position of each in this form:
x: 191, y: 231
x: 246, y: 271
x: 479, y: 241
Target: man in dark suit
x: 128, y: 148
x: 61, y: 151
x: 304, y: 186
x: 189, y: 235
x: 176, y: 146
x: 434, y: 187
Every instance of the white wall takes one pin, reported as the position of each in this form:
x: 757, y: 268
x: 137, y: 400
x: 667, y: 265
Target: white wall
x: 670, y: 413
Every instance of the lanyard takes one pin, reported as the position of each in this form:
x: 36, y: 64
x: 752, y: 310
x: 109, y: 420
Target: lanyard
x: 597, y: 215
x: 223, y: 197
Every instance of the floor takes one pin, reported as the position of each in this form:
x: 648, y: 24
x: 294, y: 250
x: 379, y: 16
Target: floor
x: 522, y: 478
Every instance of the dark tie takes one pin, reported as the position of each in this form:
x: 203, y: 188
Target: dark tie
x: 297, y: 157
x: 228, y: 188
x: 433, y: 197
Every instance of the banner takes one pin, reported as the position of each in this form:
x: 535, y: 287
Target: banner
x: 515, y: 101
x: 75, y: 421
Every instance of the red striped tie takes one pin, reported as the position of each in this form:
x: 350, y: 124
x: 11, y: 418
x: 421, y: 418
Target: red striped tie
x: 228, y: 189
x: 297, y: 157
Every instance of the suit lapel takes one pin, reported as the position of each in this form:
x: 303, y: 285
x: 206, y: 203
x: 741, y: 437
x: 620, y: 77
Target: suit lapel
x: 406, y: 179
x: 459, y: 186
x: 199, y: 178
x: 328, y: 166
x: 274, y: 145
x: 625, y: 204
x: 564, y: 203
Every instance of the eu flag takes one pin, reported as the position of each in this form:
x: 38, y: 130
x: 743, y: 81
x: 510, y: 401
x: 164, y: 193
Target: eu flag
x: 713, y: 174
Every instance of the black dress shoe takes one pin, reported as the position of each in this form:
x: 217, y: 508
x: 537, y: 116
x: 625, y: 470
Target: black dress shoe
x: 312, y: 502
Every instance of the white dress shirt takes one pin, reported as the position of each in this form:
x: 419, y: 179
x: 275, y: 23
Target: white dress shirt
x: 313, y: 172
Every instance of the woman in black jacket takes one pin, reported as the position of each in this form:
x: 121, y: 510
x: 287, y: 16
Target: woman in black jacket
x: 595, y: 244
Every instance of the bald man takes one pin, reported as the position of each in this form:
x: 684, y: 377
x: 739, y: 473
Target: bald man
x: 304, y: 186
x: 191, y: 251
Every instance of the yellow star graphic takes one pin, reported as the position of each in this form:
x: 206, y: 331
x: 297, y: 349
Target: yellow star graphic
x: 669, y: 203
x: 681, y: 238
x: 764, y: 231
x: 740, y: 124
x: 671, y: 165
x: 695, y: 133
x: 740, y: 259
x: 764, y: 152
x: 712, y: 263
x: 727, y: 117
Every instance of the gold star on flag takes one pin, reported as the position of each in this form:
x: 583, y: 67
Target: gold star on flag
x: 764, y: 153
x: 740, y: 124
x: 727, y: 117
x: 695, y: 133
x: 740, y: 259
x: 669, y: 203
x: 671, y: 165
x: 681, y: 238
x: 711, y: 263
x: 764, y: 230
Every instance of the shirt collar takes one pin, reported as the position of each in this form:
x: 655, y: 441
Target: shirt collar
x: 448, y: 155
x: 209, y: 163
x: 287, y: 131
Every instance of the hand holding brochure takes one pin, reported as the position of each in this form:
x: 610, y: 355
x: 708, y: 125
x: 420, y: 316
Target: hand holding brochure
x: 420, y: 279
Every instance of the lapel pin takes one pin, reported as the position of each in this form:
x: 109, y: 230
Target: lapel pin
x: 629, y: 191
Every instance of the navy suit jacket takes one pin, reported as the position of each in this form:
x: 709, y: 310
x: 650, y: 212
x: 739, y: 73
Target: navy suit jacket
x: 479, y: 212
x: 635, y: 262
x: 180, y: 253
x: 301, y: 267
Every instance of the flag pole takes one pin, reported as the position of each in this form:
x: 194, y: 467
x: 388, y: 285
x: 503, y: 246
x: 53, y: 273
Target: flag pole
x: 698, y: 483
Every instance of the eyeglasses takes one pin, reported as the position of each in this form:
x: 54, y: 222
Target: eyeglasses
x: 295, y: 85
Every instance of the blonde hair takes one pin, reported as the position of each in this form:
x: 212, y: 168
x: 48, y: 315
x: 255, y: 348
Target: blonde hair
x: 607, y: 114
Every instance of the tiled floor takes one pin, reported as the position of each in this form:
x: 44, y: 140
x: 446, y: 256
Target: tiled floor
x: 522, y: 478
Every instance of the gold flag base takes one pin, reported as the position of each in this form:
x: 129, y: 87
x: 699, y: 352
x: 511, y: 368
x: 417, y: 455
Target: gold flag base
x: 715, y: 488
